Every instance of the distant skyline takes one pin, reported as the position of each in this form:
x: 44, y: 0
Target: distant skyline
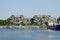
x: 28, y: 8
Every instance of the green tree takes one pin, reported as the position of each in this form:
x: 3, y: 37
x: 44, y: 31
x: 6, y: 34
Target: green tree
x: 22, y: 23
x: 46, y: 23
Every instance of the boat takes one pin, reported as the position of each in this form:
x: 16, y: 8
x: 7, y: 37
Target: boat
x: 54, y: 27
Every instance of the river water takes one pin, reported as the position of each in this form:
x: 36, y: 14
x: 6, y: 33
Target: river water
x: 17, y: 34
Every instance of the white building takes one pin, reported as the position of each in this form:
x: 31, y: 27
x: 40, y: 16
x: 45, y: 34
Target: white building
x: 50, y: 23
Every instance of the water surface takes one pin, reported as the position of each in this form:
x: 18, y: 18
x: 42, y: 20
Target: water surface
x: 17, y: 34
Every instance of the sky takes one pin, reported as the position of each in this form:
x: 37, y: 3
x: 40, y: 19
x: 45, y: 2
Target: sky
x: 29, y: 8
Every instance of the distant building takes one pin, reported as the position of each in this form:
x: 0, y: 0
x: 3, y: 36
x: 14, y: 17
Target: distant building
x: 41, y: 19
x: 16, y: 19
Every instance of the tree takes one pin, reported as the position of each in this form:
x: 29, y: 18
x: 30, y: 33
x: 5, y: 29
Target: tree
x: 22, y: 23
x: 58, y: 20
x: 5, y: 22
x: 46, y: 23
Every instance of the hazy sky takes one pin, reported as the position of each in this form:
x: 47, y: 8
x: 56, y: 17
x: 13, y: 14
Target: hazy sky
x: 29, y: 8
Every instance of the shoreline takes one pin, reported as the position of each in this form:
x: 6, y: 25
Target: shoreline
x: 21, y: 27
